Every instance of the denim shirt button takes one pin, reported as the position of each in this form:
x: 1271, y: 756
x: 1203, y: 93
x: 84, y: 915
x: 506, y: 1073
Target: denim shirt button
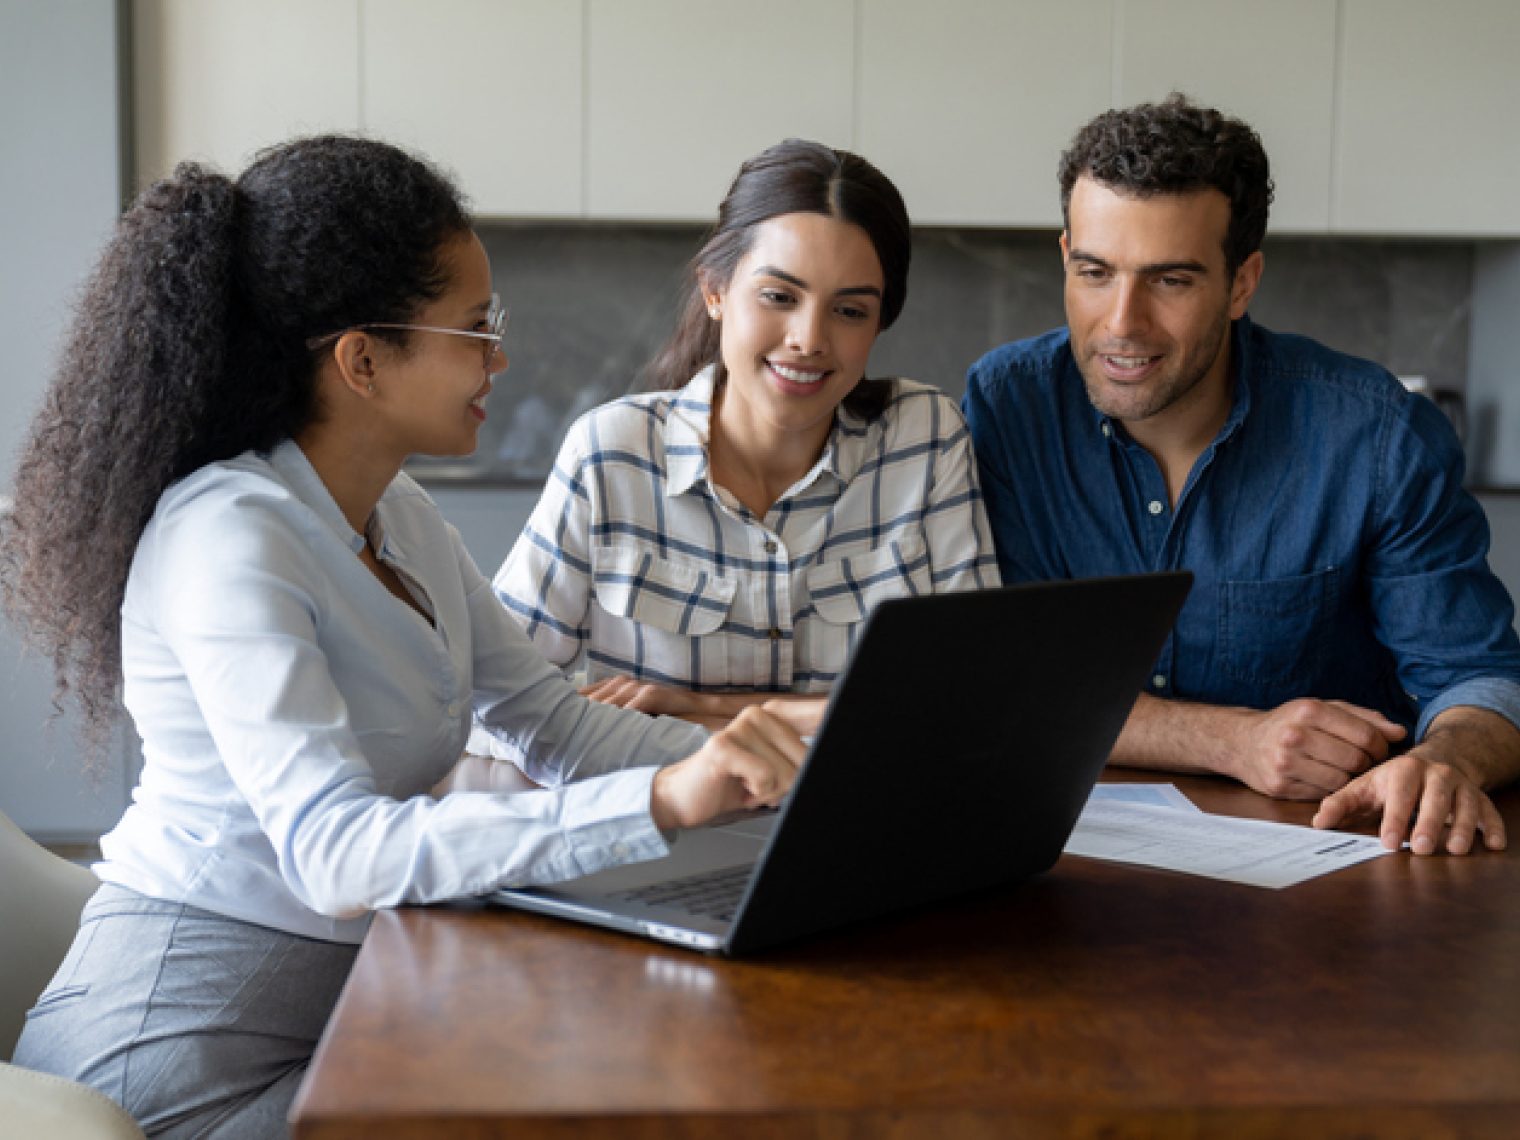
x: 1156, y: 506
x: 1159, y: 680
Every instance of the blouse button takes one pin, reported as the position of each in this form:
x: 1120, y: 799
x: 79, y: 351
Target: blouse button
x: 770, y: 546
x: 775, y: 634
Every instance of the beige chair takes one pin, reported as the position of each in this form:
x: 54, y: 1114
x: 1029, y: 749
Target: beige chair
x: 41, y: 896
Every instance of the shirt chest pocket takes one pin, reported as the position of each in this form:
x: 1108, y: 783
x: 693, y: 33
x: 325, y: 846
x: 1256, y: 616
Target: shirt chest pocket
x: 635, y: 583
x: 844, y: 590
x: 1276, y: 632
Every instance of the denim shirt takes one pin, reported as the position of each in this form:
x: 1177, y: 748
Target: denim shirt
x: 1334, y: 551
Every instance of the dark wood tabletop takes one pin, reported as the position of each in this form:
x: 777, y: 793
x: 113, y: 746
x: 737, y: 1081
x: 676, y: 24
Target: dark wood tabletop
x: 1094, y: 1000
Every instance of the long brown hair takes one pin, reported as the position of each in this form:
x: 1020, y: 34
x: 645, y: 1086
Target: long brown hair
x: 791, y: 177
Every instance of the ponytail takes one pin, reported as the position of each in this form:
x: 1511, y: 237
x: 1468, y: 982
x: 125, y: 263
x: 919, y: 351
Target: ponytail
x: 148, y: 338
x: 188, y: 346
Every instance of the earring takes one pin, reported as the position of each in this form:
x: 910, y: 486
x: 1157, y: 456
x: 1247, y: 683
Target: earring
x: 715, y: 312
x: 370, y: 388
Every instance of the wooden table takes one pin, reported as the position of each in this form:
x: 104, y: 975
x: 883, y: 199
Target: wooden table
x: 1095, y: 1000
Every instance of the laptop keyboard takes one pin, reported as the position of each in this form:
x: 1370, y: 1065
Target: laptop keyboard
x: 711, y: 894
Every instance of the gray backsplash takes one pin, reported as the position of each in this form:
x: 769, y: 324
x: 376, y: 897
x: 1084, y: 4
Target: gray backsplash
x: 591, y: 303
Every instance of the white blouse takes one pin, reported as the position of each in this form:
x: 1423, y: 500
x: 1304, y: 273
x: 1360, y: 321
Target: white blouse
x: 294, y: 714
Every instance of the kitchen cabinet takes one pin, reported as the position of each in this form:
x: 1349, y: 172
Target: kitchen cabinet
x: 1380, y: 116
x: 1272, y: 65
x: 217, y: 81
x: 681, y: 91
x: 1428, y: 134
x: 967, y: 106
x: 492, y: 90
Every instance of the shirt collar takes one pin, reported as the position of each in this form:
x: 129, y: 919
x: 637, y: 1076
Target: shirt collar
x: 291, y: 464
x: 1245, y: 379
x: 688, y: 433
x: 688, y: 430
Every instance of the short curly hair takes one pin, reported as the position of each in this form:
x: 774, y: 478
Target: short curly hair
x: 1173, y: 147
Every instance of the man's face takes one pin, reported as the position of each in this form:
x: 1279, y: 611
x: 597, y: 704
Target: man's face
x: 1148, y: 300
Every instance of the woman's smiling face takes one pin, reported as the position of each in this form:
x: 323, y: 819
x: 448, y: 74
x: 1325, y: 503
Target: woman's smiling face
x: 799, y: 317
x: 436, y: 394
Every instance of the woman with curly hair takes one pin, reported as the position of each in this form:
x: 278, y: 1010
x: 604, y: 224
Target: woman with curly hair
x: 210, y: 513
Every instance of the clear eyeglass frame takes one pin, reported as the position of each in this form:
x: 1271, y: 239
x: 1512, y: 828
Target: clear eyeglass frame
x: 495, y: 318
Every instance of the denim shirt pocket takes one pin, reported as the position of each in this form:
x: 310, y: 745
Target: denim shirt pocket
x: 1277, y: 631
x: 845, y: 590
x: 635, y: 583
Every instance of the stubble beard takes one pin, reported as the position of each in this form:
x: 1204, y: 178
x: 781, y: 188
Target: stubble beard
x: 1142, y: 401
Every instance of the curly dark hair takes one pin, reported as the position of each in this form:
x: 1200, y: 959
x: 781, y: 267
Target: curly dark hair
x: 188, y: 345
x: 1173, y: 147
x: 792, y: 177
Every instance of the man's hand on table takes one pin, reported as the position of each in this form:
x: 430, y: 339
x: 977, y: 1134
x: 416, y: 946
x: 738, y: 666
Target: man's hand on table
x: 1307, y: 749
x: 1433, y: 795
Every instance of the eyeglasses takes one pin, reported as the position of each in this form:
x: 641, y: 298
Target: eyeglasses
x: 495, y: 319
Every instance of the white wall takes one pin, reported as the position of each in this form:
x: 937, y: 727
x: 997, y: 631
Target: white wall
x: 60, y: 192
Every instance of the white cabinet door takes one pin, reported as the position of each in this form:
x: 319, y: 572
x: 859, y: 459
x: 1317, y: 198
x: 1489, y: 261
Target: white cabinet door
x: 1272, y: 65
x: 967, y: 105
x: 216, y: 80
x: 489, y: 89
x: 681, y: 91
x: 1429, y: 139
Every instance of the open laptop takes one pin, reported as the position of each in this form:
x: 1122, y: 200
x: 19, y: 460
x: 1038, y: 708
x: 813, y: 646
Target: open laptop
x: 957, y: 751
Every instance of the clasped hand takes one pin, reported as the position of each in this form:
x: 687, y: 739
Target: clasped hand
x: 1339, y: 753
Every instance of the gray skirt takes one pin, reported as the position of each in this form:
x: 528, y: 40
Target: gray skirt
x: 197, y: 1024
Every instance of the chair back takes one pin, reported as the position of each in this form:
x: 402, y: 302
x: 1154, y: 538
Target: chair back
x: 41, y: 896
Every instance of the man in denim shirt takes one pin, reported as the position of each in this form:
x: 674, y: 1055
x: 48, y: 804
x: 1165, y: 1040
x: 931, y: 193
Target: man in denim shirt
x: 1342, y: 606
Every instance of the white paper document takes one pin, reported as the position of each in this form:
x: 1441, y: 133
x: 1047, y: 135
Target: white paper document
x: 1250, y: 851
x: 1157, y: 795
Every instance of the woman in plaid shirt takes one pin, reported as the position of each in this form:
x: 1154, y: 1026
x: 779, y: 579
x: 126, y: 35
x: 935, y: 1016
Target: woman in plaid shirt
x: 721, y: 539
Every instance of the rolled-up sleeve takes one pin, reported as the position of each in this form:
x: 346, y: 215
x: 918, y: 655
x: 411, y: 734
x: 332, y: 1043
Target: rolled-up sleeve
x: 1438, y: 607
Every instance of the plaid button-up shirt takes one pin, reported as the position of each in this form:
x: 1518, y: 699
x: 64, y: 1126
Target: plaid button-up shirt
x: 635, y: 562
